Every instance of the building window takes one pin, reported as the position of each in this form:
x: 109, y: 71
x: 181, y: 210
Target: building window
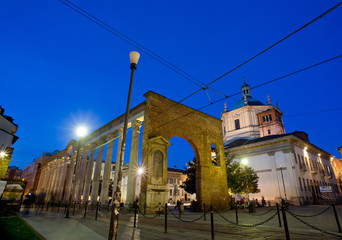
x: 170, y: 192
x: 295, y: 157
x: 267, y: 118
x: 300, y: 184
x: 237, y: 124
x: 171, y: 180
x: 304, y: 184
x: 269, y: 131
x: 307, y: 182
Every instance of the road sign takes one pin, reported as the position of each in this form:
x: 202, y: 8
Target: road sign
x: 325, y: 189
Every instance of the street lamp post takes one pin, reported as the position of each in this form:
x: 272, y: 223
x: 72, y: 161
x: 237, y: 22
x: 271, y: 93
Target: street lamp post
x: 244, y: 162
x: 81, y: 131
x: 282, y: 178
x: 114, y: 219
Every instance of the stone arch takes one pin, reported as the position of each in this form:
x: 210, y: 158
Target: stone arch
x: 165, y: 119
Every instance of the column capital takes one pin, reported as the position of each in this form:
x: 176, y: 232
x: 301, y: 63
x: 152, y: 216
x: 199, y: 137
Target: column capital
x: 136, y: 125
x: 102, y: 141
x: 110, y: 136
x: 87, y: 148
x: 93, y: 146
x: 120, y: 131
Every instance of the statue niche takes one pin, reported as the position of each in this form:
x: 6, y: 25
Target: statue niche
x: 157, y: 163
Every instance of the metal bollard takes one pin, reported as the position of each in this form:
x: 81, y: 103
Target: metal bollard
x: 97, y: 209
x: 204, y: 213
x: 278, y: 212
x: 287, y: 234
x: 144, y: 208
x: 336, y: 217
x: 135, y: 214
x: 212, y: 220
x: 236, y: 215
x: 85, y: 209
x: 73, y: 209
x: 165, y: 217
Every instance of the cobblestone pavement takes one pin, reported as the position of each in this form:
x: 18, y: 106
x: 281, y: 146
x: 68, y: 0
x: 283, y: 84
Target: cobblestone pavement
x: 55, y: 226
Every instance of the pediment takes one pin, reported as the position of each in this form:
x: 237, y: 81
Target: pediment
x: 159, y: 140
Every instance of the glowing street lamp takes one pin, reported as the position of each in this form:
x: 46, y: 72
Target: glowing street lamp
x: 80, y: 132
x: 140, y: 171
x: 2, y: 154
x: 114, y: 220
x: 245, y: 162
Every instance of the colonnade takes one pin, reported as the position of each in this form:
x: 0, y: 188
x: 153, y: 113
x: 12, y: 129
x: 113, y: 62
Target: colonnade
x: 74, y: 174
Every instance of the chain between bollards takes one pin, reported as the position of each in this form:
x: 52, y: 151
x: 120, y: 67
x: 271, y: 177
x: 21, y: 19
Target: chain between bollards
x: 212, y: 220
x: 278, y: 212
x: 73, y: 209
x: 286, y: 228
x: 166, y: 217
x: 336, y: 217
x: 236, y: 215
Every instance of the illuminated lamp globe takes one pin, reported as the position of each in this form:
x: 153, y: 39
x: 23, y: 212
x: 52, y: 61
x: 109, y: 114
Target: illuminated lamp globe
x: 2, y: 154
x: 81, y: 131
x: 244, y: 162
x: 140, y: 171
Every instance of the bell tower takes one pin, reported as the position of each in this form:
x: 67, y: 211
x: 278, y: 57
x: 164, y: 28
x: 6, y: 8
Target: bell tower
x: 270, y: 121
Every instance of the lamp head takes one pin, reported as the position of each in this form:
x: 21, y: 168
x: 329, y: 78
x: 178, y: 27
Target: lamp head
x: 81, y: 131
x: 244, y: 162
x: 2, y: 153
x: 140, y: 171
x: 134, y: 57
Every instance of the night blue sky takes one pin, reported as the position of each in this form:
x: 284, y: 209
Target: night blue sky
x: 58, y: 69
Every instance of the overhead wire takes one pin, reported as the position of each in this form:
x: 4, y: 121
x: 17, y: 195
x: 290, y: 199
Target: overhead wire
x: 132, y: 42
x: 266, y: 49
x: 237, y: 93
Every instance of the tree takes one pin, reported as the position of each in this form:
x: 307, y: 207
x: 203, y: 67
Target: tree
x: 190, y: 184
x: 236, y: 177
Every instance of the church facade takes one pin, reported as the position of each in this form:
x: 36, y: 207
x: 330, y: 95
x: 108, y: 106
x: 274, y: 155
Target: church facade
x: 289, y: 167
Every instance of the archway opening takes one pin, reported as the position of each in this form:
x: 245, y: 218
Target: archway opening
x: 181, y: 171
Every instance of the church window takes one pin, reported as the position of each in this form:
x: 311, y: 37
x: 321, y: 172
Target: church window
x: 269, y: 131
x: 267, y: 118
x: 237, y: 124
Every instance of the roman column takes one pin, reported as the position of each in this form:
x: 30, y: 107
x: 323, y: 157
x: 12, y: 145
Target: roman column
x: 83, y: 168
x: 107, y: 169
x: 89, y: 174
x: 69, y: 176
x: 120, y: 134
x: 77, y: 172
x: 97, y: 172
x: 133, y: 163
